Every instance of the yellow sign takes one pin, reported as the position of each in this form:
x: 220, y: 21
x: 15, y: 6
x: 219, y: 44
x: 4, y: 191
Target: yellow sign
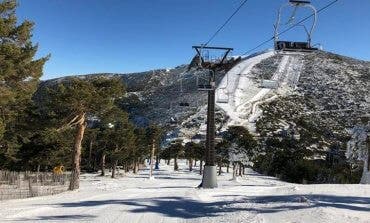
x: 58, y: 169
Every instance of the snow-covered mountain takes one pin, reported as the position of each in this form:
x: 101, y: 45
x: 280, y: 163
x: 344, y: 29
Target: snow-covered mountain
x: 319, y: 94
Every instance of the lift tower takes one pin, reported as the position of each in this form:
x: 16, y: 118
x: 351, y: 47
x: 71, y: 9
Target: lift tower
x: 203, y: 60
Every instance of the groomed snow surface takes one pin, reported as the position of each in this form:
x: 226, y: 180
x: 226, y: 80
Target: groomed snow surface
x: 172, y: 197
x: 239, y: 95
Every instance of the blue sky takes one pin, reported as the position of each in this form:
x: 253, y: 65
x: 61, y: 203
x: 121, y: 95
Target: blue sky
x: 120, y: 36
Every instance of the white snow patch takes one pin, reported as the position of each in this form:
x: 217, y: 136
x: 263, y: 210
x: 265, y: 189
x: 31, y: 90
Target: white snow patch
x: 173, y: 197
x: 244, y: 93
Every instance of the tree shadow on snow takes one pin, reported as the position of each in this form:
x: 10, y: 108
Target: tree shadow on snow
x: 59, y: 218
x: 178, y: 207
x: 289, y: 202
x: 181, y: 207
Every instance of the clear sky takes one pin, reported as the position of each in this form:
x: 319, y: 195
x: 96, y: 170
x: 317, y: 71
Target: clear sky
x: 120, y: 36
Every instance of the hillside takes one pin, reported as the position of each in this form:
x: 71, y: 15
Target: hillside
x: 331, y: 96
x: 318, y: 98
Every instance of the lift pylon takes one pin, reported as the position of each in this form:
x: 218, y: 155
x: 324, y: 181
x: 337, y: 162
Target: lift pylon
x: 212, y: 64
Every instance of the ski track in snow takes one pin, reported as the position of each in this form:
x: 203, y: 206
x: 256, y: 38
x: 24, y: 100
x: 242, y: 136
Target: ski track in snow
x: 172, y: 197
x: 244, y: 94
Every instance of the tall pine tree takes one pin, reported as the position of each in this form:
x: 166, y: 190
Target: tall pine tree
x: 74, y: 101
x: 19, y: 75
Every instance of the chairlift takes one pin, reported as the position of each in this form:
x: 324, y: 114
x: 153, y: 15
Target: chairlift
x: 222, y: 97
x: 183, y: 103
x: 294, y: 45
x: 223, y: 93
x: 209, y: 57
x: 173, y: 120
x: 205, y: 87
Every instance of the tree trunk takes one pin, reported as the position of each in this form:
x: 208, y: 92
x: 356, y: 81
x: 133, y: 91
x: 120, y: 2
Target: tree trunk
x: 175, y: 165
x: 157, y: 161
x: 201, y: 167
x: 136, y: 166
x: 102, y: 165
x: 37, y: 173
x: 240, y: 170
x: 168, y: 162
x: 95, y: 163
x: 75, y: 176
x: 365, y: 179
x: 368, y: 154
x: 152, y: 159
x: 90, y: 154
x: 234, y: 171
x: 114, y: 167
x: 190, y: 164
x: 195, y: 162
x: 227, y: 168
x: 219, y: 169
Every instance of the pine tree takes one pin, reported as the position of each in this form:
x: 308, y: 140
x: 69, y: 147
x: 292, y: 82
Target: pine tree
x: 19, y: 74
x: 153, y: 135
x: 119, y: 138
x: 177, y: 151
x: 240, y: 147
x: 74, y: 100
x: 191, y: 152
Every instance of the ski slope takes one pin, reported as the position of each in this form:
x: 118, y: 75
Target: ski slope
x: 243, y: 94
x: 172, y: 197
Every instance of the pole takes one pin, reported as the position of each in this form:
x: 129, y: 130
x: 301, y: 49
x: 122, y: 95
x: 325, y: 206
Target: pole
x: 210, y: 172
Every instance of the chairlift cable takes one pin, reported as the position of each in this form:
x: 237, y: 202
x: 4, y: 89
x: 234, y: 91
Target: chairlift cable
x: 226, y: 22
x: 291, y: 27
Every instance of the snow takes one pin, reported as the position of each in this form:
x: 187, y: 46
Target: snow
x: 244, y: 92
x: 172, y: 197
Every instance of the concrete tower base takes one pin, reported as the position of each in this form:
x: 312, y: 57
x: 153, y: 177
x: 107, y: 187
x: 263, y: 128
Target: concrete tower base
x: 209, y: 177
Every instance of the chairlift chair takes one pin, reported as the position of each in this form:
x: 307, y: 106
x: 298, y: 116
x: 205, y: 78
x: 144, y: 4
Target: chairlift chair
x: 294, y: 45
x: 173, y: 120
x: 184, y: 104
x: 205, y: 87
x: 224, y: 97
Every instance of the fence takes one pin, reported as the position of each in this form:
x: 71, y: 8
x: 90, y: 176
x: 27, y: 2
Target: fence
x: 16, y: 185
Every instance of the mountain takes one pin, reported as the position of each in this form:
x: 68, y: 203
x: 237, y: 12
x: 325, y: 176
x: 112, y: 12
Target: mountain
x: 315, y: 96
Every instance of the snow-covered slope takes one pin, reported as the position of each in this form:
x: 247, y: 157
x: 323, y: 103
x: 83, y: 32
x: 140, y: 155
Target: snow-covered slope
x: 330, y: 98
x: 240, y: 92
x: 172, y: 197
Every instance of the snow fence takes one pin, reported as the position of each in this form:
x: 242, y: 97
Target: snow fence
x: 17, y: 185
